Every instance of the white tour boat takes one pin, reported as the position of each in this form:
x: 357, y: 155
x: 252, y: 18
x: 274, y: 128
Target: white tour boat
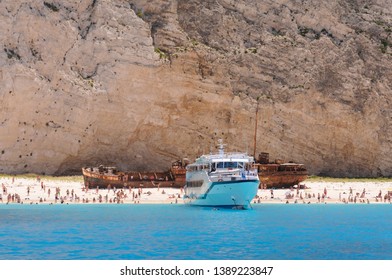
x: 222, y: 180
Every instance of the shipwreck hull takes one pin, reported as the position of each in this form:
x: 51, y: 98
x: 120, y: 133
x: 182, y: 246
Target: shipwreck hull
x: 95, y: 179
x: 281, y: 180
x: 280, y: 175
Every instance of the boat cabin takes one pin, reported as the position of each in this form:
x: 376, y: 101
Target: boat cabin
x: 219, y: 165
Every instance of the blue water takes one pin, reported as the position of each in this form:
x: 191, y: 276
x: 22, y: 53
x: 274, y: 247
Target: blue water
x: 180, y: 232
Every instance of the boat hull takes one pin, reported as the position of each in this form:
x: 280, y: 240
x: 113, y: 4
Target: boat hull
x: 282, y: 179
x: 238, y: 194
x: 132, y: 179
x: 281, y: 175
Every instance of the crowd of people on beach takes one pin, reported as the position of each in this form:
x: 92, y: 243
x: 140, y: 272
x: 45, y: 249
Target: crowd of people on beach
x: 23, y: 190
x: 308, y: 196
x: 12, y: 191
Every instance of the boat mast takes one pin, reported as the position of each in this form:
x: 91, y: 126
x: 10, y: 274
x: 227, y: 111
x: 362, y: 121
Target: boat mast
x: 255, y: 136
x: 221, y: 147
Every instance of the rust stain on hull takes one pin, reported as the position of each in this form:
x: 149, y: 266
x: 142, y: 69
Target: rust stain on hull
x: 275, y: 174
x: 279, y: 174
x: 104, y: 177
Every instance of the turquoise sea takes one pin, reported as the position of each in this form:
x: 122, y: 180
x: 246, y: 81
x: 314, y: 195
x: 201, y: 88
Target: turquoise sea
x: 181, y: 232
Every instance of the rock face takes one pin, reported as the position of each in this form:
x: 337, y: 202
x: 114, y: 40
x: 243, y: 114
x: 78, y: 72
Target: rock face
x: 141, y: 83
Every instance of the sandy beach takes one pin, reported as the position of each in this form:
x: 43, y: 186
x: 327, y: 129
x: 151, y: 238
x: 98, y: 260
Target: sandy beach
x: 28, y: 190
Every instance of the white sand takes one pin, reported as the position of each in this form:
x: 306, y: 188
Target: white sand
x: 336, y: 192
x: 30, y: 191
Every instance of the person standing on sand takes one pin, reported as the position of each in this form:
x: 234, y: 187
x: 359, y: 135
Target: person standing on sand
x: 363, y: 193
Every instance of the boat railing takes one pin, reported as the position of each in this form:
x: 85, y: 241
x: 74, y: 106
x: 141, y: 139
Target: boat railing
x: 251, y: 172
x: 231, y: 178
x: 233, y: 175
x: 226, y: 171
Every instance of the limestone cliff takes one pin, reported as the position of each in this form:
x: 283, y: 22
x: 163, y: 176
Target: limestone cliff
x: 141, y: 83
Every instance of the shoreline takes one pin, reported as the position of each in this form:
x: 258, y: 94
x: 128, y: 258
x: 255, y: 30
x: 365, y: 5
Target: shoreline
x: 30, y: 190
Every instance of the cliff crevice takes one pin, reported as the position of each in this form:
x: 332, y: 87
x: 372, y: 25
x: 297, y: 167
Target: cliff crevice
x: 141, y: 83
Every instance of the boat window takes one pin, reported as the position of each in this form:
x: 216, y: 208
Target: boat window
x: 219, y: 165
x: 241, y: 165
x: 231, y: 164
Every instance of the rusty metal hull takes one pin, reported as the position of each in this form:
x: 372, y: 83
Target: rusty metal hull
x: 93, y: 178
x: 282, y: 179
x: 284, y: 175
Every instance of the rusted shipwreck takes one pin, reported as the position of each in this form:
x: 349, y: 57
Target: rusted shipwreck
x: 110, y: 177
x: 279, y: 174
x: 276, y: 174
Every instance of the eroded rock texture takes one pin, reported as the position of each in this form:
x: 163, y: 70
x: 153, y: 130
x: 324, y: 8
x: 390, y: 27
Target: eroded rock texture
x: 141, y: 83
